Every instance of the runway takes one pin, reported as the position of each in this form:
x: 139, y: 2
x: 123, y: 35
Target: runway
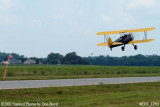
x: 73, y: 82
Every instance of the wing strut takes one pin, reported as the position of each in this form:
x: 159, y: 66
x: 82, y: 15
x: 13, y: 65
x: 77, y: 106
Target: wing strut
x: 145, y: 35
x: 105, y: 38
x: 122, y: 33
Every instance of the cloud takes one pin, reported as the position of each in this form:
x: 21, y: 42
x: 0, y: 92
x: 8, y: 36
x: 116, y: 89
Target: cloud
x: 105, y: 18
x: 58, y: 16
x: 8, y: 19
x: 5, y: 4
x: 119, y: 19
x: 133, y: 4
x: 5, y: 19
x: 35, y: 22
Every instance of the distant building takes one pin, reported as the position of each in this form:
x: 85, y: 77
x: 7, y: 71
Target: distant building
x: 40, y: 62
x: 4, y: 62
x: 29, y: 61
x: 13, y: 61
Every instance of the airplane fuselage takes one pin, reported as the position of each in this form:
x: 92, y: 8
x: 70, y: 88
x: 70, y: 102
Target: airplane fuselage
x: 123, y: 39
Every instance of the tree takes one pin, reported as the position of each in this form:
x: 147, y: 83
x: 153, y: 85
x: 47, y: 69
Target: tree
x: 72, y: 58
x: 54, y: 58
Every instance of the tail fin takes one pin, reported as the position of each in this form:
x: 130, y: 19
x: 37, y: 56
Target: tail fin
x: 109, y: 42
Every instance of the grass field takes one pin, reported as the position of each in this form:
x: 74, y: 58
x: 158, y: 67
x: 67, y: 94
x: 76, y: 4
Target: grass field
x: 117, y: 95
x: 78, y: 71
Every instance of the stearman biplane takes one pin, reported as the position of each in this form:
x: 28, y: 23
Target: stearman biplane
x: 126, y: 37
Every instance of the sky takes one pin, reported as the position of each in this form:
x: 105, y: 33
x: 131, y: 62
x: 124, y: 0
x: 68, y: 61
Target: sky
x: 39, y: 27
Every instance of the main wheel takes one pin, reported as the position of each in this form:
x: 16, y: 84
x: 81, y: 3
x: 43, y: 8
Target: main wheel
x: 135, y: 47
x: 122, y: 48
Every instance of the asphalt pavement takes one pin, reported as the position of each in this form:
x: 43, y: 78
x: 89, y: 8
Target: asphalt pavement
x: 73, y: 82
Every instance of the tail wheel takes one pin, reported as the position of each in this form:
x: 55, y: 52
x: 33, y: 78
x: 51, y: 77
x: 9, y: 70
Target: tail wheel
x: 122, y: 48
x: 135, y: 47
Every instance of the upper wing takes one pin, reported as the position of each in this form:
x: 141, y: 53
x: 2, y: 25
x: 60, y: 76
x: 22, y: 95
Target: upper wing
x: 140, y: 41
x: 125, y: 31
x: 106, y: 44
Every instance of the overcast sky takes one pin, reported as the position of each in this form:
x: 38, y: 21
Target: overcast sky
x: 38, y: 27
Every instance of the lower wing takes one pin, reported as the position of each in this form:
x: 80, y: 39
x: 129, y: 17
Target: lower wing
x: 106, y: 44
x: 140, y: 41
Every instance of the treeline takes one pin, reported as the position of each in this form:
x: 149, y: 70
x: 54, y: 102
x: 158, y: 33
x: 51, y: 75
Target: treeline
x: 69, y: 58
x: 73, y: 58
x: 52, y: 58
x: 136, y: 60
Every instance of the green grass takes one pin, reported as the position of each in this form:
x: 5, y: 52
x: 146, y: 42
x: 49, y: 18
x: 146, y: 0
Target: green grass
x: 78, y: 71
x: 117, y: 95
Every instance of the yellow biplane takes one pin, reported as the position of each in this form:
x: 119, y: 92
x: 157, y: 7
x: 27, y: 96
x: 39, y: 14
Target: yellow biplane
x: 125, y: 38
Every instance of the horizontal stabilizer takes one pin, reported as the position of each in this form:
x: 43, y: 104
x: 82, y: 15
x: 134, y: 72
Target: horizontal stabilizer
x: 140, y: 41
x: 106, y: 44
x: 102, y: 44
